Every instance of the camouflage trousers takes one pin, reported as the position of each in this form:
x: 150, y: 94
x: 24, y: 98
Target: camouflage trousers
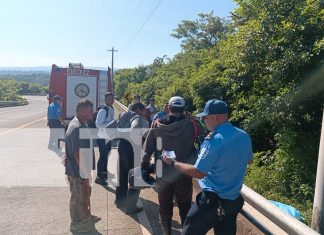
x: 80, y: 200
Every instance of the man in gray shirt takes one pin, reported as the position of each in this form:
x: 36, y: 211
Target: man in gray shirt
x: 78, y: 169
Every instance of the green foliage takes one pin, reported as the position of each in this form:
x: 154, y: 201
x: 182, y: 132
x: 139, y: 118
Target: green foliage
x: 268, y: 64
x: 32, y: 88
x: 9, y: 90
x: 202, y: 33
x: 27, y: 76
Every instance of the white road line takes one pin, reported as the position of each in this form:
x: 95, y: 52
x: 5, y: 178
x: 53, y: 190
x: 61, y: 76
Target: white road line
x: 20, y: 127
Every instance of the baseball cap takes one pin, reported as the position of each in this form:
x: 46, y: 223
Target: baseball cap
x: 57, y: 97
x: 214, y: 107
x: 177, y: 101
x: 108, y: 93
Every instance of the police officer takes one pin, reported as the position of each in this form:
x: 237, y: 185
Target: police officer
x: 221, y: 166
x: 55, y: 120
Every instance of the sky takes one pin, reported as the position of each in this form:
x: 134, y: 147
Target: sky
x: 45, y: 32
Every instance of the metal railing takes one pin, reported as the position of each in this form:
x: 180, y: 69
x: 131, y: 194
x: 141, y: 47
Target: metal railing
x: 259, y: 211
x: 121, y: 106
x: 284, y: 221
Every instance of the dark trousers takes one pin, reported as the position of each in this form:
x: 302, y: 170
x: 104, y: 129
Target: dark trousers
x: 55, y: 134
x: 182, y: 190
x: 203, y: 215
x: 126, y: 162
x: 104, y: 150
x: 132, y: 198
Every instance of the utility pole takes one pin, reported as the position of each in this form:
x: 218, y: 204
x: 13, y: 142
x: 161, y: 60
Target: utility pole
x: 112, y: 62
x: 318, y: 207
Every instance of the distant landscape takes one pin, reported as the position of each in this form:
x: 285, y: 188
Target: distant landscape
x: 18, y: 81
x: 37, y: 74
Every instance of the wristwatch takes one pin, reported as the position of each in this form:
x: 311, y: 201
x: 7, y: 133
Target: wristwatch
x: 172, y: 163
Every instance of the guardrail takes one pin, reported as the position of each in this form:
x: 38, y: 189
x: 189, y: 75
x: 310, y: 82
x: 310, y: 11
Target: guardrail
x: 266, y: 217
x: 121, y: 106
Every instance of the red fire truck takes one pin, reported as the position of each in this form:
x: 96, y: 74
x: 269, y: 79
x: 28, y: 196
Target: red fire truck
x: 76, y: 82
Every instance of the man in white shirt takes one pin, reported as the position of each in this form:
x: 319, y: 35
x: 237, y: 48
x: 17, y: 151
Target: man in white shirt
x: 104, y: 116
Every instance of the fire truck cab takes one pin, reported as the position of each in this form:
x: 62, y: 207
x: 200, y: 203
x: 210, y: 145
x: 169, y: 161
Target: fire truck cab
x: 75, y: 82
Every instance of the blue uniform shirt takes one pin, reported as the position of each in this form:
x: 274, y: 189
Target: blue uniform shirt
x: 158, y: 115
x: 223, y: 157
x: 54, y: 110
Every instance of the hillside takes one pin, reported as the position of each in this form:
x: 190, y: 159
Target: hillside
x: 39, y: 75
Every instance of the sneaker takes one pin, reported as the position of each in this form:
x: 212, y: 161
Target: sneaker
x: 95, y: 219
x: 134, y: 210
x: 80, y: 228
x: 101, y: 181
x: 120, y: 204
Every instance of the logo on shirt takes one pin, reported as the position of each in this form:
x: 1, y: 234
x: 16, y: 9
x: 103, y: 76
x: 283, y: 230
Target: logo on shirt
x: 203, y: 153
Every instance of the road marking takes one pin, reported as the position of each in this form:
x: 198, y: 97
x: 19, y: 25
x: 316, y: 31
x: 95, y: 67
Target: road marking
x: 30, y: 107
x: 22, y: 126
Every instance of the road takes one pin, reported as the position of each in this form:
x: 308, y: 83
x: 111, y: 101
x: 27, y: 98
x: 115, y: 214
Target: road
x: 12, y: 117
x: 33, y: 189
x: 23, y: 146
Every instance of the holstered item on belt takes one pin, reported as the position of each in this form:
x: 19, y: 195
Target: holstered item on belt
x: 223, y: 207
x: 212, y: 197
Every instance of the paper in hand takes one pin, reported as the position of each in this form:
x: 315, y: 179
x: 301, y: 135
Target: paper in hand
x: 169, y: 154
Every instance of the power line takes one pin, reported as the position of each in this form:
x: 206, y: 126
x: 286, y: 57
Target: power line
x: 144, y: 16
x: 141, y: 27
x: 133, y: 17
x: 122, y: 20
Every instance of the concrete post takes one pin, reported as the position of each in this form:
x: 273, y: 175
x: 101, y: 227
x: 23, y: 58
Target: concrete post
x: 318, y: 207
x: 112, y: 65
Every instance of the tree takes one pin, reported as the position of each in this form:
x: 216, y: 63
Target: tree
x: 203, y: 33
x: 267, y: 63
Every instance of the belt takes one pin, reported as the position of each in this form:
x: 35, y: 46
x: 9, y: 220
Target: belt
x: 212, y: 196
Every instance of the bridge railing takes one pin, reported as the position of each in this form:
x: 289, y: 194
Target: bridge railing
x: 259, y: 211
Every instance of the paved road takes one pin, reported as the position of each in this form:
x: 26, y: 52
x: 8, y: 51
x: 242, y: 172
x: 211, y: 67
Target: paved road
x: 12, y: 117
x: 33, y: 189
x: 23, y: 147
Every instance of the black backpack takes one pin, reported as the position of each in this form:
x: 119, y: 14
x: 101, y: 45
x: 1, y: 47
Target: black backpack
x: 92, y: 123
x: 125, y: 119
